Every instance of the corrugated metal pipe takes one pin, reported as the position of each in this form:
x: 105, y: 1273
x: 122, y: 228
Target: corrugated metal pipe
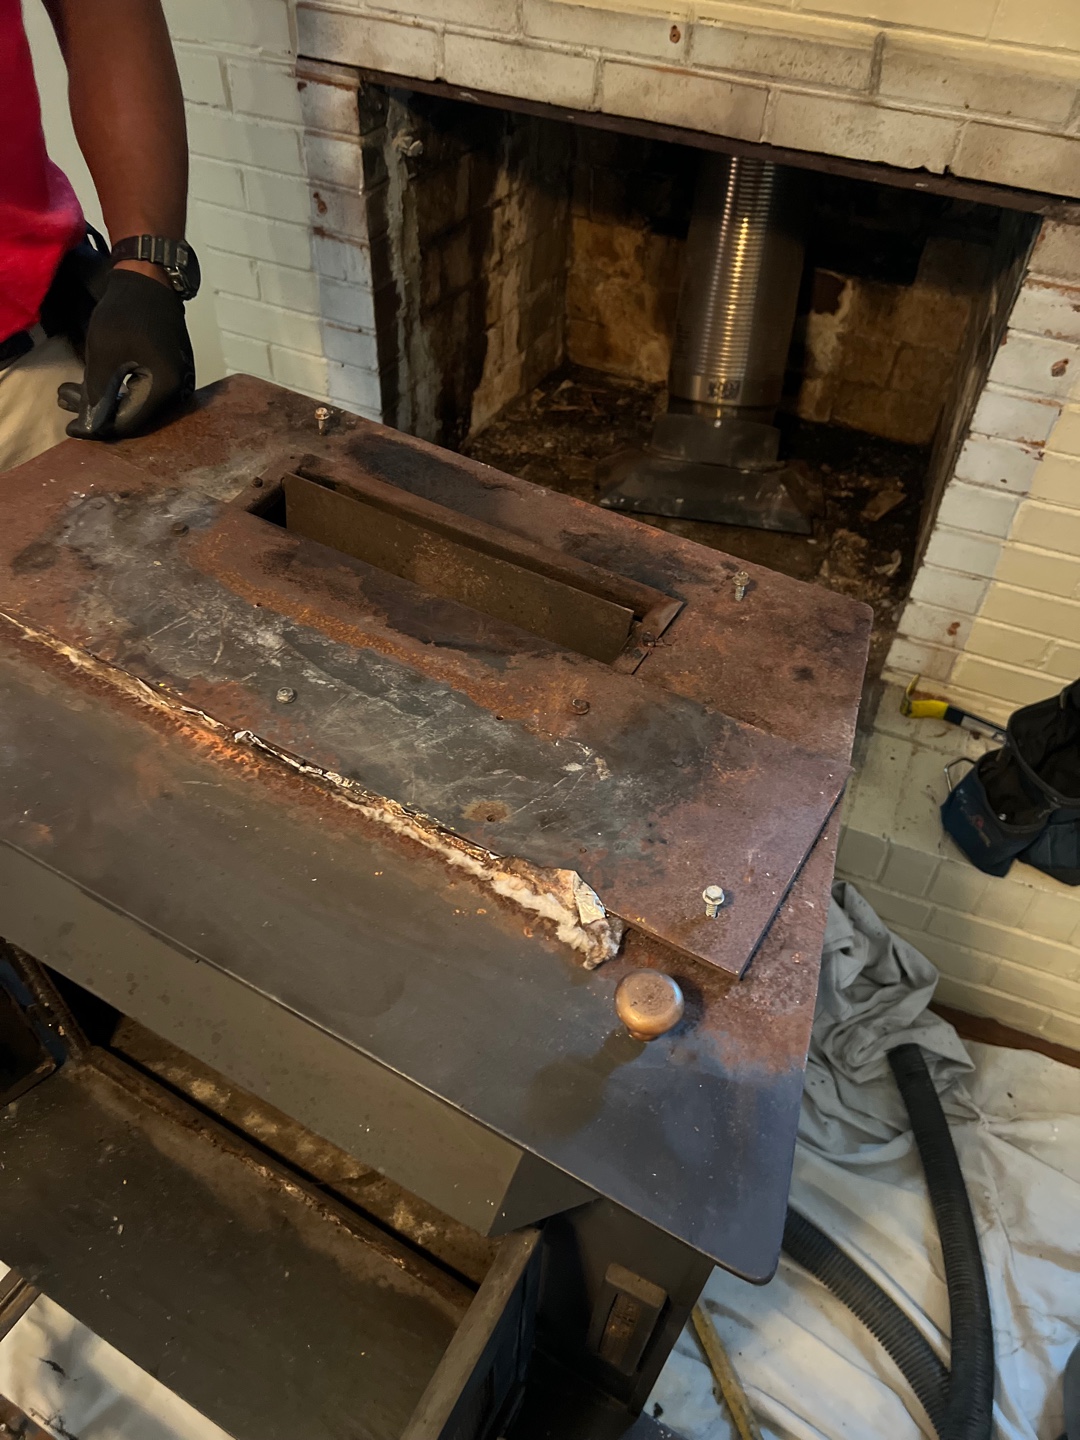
x: 714, y: 453
x: 741, y: 279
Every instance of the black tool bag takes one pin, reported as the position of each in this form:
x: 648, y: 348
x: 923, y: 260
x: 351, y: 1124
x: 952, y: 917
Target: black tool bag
x: 1022, y: 802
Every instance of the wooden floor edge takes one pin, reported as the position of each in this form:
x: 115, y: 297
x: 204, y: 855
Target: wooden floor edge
x: 985, y: 1031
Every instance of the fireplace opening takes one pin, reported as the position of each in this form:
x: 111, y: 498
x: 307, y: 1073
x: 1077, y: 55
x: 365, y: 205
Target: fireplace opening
x: 528, y: 273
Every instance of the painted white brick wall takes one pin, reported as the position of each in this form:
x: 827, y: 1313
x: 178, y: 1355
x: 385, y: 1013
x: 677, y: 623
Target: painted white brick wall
x: 276, y: 195
x: 908, y: 82
x: 1004, y: 558
x: 1007, y: 948
x: 878, y: 81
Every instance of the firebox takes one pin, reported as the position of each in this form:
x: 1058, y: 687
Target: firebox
x: 776, y: 361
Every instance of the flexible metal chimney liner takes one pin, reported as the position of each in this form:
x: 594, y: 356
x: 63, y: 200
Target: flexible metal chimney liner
x: 713, y: 455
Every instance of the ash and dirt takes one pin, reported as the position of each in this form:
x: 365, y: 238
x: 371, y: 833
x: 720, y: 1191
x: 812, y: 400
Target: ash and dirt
x: 868, y: 491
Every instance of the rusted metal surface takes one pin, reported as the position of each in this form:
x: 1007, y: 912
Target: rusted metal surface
x: 205, y: 1262
x: 789, y: 657
x: 694, y: 1132
x: 650, y: 611
x: 16, y: 1424
x: 453, y: 1245
x: 591, y: 625
x: 16, y: 1297
x: 648, y: 796
x: 254, y: 872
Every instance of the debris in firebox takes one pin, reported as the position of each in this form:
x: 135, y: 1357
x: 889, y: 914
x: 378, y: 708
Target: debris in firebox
x: 864, y: 493
x: 885, y: 500
x: 846, y: 560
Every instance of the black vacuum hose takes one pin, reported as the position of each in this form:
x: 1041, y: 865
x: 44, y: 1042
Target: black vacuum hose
x: 960, y: 1401
x: 970, y: 1410
x: 814, y: 1251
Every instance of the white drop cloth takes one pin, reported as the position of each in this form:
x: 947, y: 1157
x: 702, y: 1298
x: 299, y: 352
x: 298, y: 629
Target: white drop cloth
x: 811, y: 1371
x: 79, y: 1388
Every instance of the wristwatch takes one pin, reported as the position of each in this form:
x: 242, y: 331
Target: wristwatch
x: 176, y: 258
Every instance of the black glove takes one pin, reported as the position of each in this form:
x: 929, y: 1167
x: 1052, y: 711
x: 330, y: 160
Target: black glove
x: 138, y: 359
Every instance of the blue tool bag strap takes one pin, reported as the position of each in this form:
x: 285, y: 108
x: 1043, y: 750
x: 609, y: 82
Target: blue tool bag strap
x: 1023, y: 800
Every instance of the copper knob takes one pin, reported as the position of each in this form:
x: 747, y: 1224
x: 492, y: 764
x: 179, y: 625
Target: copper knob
x: 648, y: 1003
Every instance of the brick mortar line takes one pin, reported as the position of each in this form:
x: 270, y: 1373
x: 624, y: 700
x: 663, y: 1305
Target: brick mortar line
x: 1046, y: 277
x: 1065, y: 600
x: 350, y: 137
x: 933, y: 645
x: 930, y: 605
x: 283, y: 62
x: 996, y: 961
x: 253, y: 260
x: 604, y: 56
x: 346, y: 136
x: 973, y: 914
x: 988, y: 487
x: 1019, y: 630
x: 768, y: 115
x: 1055, y: 340
x: 244, y: 166
x: 988, y: 703
x: 200, y: 107
x: 233, y: 50
x: 948, y: 570
x: 292, y: 21
x: 878, y: 27
x: 950, y: 529
x: 1015, y: 392
x: 362, y: 245
x: 1023, y: 445
x: 318, y: 355
x: 862, y: 98
x: 1003, y: 665
x: 321, y: 320
x: 310, y: 355
x: 1048, y: 1011
x: 287, y: 310
x: 1038, y: 502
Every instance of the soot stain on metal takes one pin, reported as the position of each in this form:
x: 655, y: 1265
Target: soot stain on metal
x: 551, y: 896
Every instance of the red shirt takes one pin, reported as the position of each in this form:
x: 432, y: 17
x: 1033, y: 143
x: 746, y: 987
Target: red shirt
x: 40, y: 217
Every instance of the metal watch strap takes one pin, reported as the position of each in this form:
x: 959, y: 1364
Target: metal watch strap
x: 154, y: 249
x: 174, y: 256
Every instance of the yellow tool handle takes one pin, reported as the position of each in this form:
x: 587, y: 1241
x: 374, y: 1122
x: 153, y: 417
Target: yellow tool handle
x: 728, y: 1382
x: 926, y: 709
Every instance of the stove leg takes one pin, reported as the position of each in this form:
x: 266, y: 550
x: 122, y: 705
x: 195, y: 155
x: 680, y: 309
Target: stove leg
x: 615, y: 1295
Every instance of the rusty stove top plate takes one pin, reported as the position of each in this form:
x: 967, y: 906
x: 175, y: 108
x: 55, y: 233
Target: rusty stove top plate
x: 504, y: 737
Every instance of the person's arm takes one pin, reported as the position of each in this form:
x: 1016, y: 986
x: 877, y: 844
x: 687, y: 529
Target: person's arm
x: 128, y: 113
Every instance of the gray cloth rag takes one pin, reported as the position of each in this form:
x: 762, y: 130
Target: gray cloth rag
x: 874, y: 993
x: 811, y: 1370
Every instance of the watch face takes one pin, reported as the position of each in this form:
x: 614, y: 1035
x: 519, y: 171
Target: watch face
x: 185, y: 273
x: 194, y: 273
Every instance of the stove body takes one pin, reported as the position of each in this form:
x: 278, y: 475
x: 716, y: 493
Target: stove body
x: 361, y: 774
